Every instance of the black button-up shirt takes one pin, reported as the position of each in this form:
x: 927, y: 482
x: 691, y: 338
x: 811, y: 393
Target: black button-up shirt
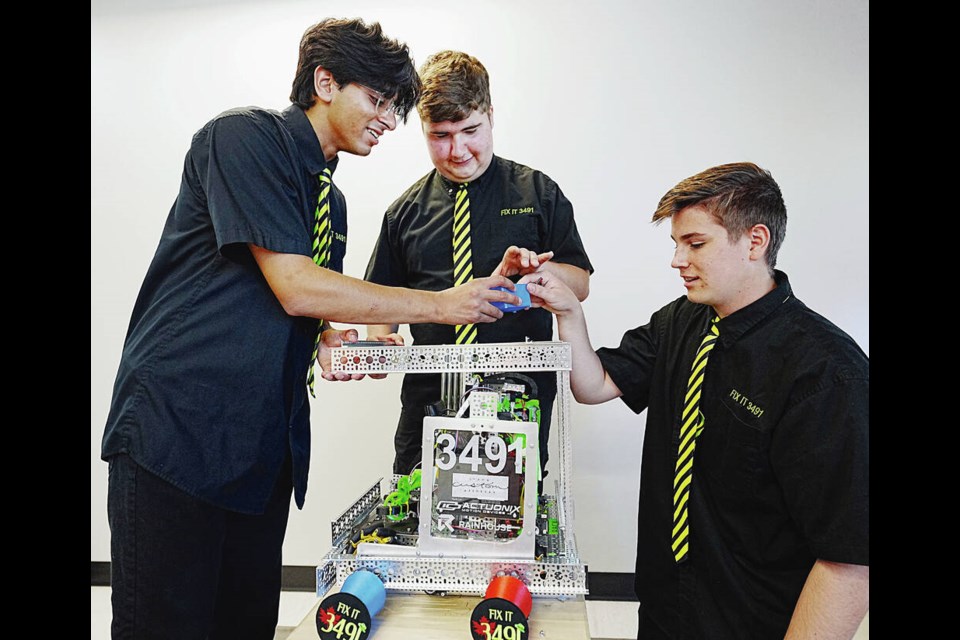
x: 210, y: 394
x: 780, y: 471
x: 510, y: 204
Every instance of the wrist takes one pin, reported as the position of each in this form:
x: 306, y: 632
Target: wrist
x: 433, y: 306
x: 571, y: 315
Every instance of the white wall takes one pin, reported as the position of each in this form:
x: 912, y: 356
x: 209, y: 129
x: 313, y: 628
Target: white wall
x: 617, y: 101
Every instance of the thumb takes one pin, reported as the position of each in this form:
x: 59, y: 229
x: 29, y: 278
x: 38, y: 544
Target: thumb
x: 349, y: 335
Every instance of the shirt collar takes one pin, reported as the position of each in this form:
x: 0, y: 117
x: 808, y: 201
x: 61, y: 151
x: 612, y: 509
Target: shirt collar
x: 741, y: 321
x: 306, y: 141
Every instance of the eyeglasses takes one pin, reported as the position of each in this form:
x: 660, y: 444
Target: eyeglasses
x: 382, y: 106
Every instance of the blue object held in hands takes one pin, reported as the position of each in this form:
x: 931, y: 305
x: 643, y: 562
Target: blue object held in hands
x: 521, y: 292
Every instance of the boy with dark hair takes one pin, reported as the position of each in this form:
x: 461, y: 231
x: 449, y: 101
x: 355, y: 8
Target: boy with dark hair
x: 209, y: 428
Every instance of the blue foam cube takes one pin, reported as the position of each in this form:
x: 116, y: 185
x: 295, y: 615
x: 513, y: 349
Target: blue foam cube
x: 521, y: 292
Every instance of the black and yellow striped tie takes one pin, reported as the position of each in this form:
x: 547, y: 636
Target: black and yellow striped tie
x: 462, y: 258
x: 322, y: 242
x: 691, y: 424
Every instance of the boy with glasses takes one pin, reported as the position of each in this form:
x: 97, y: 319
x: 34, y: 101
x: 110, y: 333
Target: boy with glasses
x: 209, y: 428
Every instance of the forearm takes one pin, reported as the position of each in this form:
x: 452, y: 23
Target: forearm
x: 589, y: 381
x: 307, y: 290
x: 834, y: 600
x: 339, y: 298
x: 577, y: 279
x: 375, y: 331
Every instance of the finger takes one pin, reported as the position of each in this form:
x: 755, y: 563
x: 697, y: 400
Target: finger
x: 350, y: 335
x: 333, y: 338
x: 535, y: 289
x: 489, y: 313
x: 497, y: 281
x: 498, y: 295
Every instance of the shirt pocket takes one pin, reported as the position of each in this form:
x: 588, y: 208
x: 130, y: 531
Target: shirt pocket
x: 496, y: 233
x: 729, y: 452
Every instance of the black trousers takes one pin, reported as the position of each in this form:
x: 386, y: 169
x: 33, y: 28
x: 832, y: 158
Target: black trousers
x: 182, y: 569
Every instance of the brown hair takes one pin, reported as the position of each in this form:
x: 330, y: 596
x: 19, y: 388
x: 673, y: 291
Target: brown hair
x: 454, y: 85
x: 739, y: 195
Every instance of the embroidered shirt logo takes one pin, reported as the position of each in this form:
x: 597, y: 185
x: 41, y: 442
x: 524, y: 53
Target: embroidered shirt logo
x: 342, y: 237
x: 516, y: 211
x: 745, y: 402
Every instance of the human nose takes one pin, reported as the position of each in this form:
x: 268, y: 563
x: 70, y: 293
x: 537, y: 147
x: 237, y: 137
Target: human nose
x: 458, y: 148
x: 679, y: 258
x: 389, y: 120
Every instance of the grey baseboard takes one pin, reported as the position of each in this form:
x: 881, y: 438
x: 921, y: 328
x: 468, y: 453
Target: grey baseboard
x: 299, y: 579
x: 602, y: 585
x: 99, y: 574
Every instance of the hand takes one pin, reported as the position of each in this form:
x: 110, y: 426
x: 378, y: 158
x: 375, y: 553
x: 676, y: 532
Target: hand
x: 470, y: 303
x: 390, y: 338
x: 550, y: 292
x: 330, y: 339
x: 517, y: 261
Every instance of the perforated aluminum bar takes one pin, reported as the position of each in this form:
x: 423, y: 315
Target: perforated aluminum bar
x: 509, y: 356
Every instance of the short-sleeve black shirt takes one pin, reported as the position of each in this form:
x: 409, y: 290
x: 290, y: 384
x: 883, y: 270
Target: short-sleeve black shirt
x: 780, y: 472
x: 210, y: 393
x: 510, y: 204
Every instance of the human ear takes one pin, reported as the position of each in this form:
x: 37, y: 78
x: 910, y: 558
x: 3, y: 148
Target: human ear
x: 323, y: 84
x: 759, y: 235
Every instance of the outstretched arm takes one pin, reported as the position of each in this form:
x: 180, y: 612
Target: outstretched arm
x: 589, y: 381
x: 304, y: 289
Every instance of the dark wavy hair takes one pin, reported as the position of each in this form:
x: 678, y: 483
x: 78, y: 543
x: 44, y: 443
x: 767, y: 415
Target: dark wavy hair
x: 353, y: 51
x: 739, y: 194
